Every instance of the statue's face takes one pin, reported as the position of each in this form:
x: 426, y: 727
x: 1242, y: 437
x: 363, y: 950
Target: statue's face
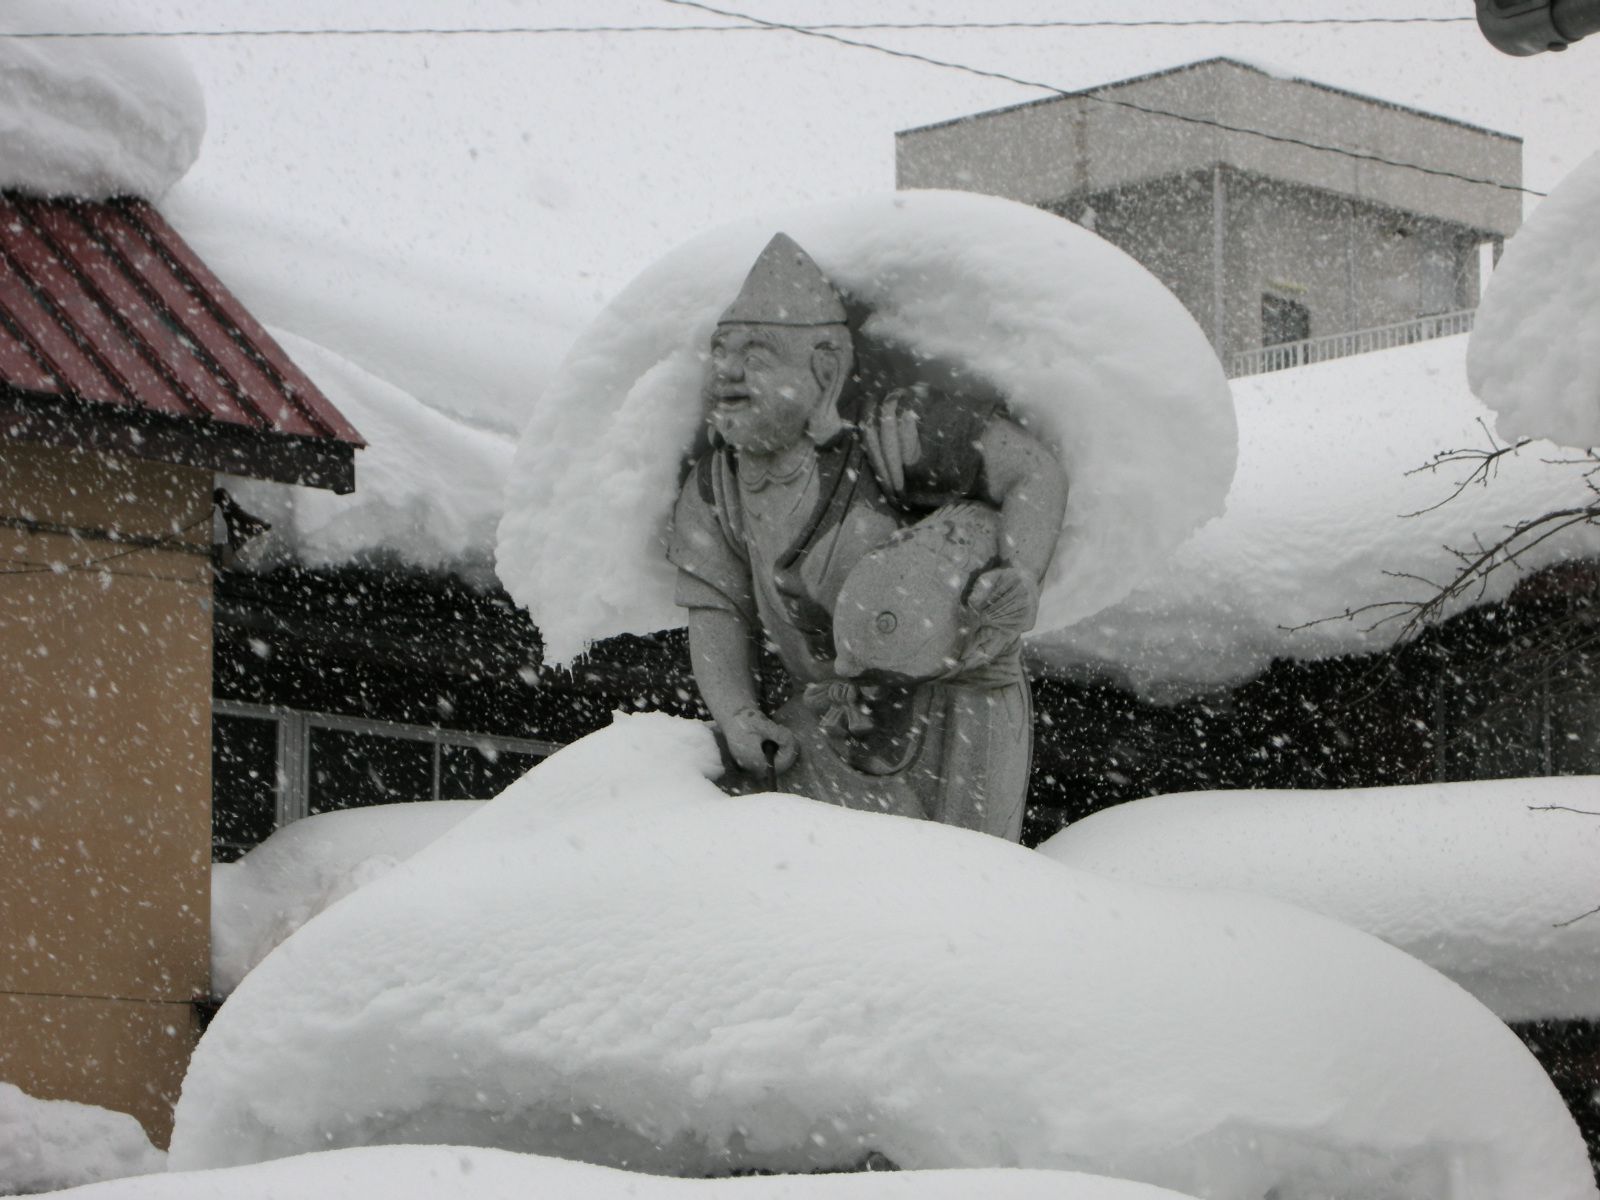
x: 760, y: 389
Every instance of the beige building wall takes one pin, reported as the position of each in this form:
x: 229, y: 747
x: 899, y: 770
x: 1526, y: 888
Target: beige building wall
x: 105, y: 687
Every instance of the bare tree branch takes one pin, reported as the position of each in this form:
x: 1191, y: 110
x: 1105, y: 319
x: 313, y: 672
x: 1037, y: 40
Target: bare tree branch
x: 1576, y: 919
x: 1485, y: 465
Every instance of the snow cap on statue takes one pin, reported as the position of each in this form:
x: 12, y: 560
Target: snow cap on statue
x: 785, y: 287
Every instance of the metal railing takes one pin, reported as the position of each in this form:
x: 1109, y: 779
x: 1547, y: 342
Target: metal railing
x: 1343, y: 345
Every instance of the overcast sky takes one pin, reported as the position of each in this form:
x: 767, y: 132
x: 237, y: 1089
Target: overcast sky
x: 561, y: 164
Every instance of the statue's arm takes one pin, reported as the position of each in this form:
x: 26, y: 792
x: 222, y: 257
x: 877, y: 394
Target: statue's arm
x: 1029, y: 486
x: 722, y: 649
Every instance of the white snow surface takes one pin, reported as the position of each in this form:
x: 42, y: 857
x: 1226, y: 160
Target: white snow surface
x: 281, y: 884
x: 1535, y: 358
x: 1314, y: 522
x: 48, y: 1144
x: 1093, y: 353
x: 1475, y: 879
x: 613, y: 961
x: 428, y: 486
x: 478, y: 347
x: 428, y: 1172
x: 92, y: 117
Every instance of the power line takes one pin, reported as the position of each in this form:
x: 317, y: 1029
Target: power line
x: 764, y: 27
x: 982, y: 73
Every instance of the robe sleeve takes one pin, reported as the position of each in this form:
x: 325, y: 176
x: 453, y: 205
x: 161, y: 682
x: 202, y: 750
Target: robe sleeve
x: 711, y: 571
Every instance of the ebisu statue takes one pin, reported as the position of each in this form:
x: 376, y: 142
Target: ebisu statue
x: 885, y: 530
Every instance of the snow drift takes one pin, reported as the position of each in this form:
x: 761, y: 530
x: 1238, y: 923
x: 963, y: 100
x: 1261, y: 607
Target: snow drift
x: 1093, y: 353
x: 48, y: 1144
x: 1473, y: 878
x: 307, y: 865
x: 614, y: 961
x: 1534, y: 356
x: 428, y: 1172
x: 427, y: 485
x: 93, y: 118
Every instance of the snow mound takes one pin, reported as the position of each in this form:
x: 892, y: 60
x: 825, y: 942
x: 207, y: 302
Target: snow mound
x: 46, y: 1144
x: 428, y: 487
x: 1534, y: 357
x: 304, y: 867
x: 613, y: 961
x: 1314, y: 525
x: 1468, y: 877
x: 428, y: 1172
x: 1092, y: 352
x: 89, y: 117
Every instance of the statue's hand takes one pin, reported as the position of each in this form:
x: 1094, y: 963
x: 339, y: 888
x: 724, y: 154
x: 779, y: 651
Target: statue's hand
x: 1006, y: 602
x: 747, y: 731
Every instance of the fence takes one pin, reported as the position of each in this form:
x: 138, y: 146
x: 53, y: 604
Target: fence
x: 1342, y: 345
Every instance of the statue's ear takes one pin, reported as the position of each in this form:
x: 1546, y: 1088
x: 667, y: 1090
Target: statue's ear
x: 827, y: 367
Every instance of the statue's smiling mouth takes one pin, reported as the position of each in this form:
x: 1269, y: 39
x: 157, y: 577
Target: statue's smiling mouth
x: 734, y: 400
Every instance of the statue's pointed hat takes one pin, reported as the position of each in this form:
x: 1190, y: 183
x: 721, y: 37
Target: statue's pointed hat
x: 785, y: 287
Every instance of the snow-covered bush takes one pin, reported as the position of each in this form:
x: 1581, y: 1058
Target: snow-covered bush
x: 616, y: 962
x: 48, y: 1144
x: 304, y: 867
x: 1091, y: 351
x: 1475, y: 879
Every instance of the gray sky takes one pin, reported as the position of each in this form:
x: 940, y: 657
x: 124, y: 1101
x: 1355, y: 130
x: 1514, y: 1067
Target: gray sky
x: 562, y: 164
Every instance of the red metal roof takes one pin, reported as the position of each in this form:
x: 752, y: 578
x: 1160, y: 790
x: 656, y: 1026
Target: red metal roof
x: 108, y: 320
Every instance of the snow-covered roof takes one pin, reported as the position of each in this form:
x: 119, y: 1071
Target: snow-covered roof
x: 93, y: 118
x: 114, y: 334
x: 1317, y: 523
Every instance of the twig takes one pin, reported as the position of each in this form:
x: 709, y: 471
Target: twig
x: 1576, y: 919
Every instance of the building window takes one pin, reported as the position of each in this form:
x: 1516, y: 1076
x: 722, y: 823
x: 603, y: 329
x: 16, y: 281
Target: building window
x: 1283, y: 320
x: 271, y: 766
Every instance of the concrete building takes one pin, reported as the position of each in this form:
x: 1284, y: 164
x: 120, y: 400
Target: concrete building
x: 1295, y: 221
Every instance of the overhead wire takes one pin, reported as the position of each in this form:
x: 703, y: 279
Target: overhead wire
x: 1091, y: 95
x: 748, y: 23
x: 840, y: 26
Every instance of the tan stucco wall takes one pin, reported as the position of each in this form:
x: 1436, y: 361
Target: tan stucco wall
x: 105, y: 765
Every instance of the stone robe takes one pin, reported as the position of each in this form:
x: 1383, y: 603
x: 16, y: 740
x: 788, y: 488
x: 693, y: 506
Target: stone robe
x: 775, y: 549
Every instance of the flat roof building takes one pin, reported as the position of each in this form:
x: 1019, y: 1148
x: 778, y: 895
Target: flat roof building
x: 1279, y: 210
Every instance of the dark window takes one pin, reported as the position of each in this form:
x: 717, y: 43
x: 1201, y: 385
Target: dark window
x: 468, y: 773
x: 351, y: 770
x: 1283, y: 320
x: 244, y: 784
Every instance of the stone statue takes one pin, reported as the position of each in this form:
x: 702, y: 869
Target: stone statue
x: 887, y: 539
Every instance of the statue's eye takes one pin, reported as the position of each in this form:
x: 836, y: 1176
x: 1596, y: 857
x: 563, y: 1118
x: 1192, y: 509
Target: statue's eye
x: 886, y: 622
